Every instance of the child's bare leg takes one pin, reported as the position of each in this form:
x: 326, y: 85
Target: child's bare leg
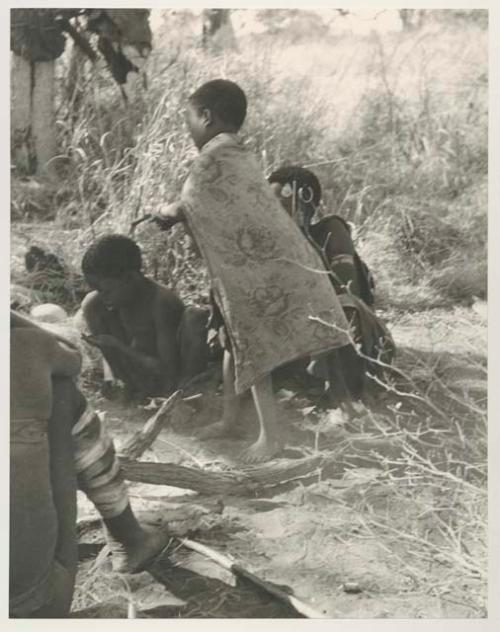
x: 232, y: 404
x: 269, y: 441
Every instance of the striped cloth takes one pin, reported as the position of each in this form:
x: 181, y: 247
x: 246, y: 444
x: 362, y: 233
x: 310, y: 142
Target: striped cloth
x: 97, y: 466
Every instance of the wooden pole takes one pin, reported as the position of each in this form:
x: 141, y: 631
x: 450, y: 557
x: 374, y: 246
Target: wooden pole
x: 297, y: 604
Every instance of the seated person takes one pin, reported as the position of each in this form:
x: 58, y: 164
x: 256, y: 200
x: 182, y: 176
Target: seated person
x: 299, y: 191
x: 151, y: 341
x: 331, y: 234
x: 56, y: 445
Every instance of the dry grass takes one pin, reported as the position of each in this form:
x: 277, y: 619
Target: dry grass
x: 425, y: 502
x: 396, y: 129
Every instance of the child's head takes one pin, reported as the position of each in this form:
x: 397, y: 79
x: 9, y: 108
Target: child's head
x: 217, y: 106
x: 288, y: 181
x: 112, y: 265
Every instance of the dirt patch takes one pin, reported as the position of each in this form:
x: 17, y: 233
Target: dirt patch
x: 363, y: 545
x: 378, y: 540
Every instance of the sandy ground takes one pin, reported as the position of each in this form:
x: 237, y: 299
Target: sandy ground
x: 308, y: 537
x: 305, y: 537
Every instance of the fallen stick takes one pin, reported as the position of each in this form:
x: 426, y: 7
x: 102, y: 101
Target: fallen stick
x: 297, y: 604
x: 195, y: 479
x: 142, y: 439
x: 247, y: 481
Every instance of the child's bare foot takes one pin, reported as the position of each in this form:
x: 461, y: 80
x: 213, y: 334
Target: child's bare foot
x: 262, y: 450
x: 133, y: 558
x: 353, y: 410
x: 220, y: 429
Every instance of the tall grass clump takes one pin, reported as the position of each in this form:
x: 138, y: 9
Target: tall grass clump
x: 395, y: 126
x: 410, y: 165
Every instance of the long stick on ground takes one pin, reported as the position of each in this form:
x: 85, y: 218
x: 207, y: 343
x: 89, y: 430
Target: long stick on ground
x: 298, y: 605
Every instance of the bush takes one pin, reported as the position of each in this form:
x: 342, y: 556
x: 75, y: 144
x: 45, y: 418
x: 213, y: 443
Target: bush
x: 395, y: 127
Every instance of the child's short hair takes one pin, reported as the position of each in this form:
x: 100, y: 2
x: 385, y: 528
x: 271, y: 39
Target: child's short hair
x: 303, y: 177
x: 112, y: 256
x: 225, y: 98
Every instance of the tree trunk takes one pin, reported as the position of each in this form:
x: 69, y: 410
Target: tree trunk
x: 75, y: 82
x: 33, y: 135
x: 217, y: 29
x: 42, y: 115
x: 22, y: 150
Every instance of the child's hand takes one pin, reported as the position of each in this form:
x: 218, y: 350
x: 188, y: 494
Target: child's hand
x: 169, y: 215
x: 102, y: 341
x: 175, y: 209
x: 163, y: 223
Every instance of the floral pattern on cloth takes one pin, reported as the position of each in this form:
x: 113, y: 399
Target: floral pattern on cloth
x: 267, y: 280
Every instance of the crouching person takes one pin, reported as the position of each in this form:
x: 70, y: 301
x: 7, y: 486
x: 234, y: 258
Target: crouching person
x: 57, y: 445
x: 151, y: 341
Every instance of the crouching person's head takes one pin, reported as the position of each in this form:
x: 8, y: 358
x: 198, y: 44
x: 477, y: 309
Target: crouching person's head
x: 112, y: 266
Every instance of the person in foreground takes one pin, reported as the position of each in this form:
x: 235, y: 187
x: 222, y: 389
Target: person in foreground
x: 57, y: 444
x: 299, y: 191
x: 151, y: 341
x: 273, y: 309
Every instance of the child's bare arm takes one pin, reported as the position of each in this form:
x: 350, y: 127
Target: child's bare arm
x: 169, y: 215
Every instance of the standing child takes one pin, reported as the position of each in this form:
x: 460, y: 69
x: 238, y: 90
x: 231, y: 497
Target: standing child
x: 274, y: 309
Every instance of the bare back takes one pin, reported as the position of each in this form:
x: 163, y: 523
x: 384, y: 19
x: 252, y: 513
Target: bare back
x: 36, y: 357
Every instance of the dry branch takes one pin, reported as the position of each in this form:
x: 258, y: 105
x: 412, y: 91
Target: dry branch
x: 198, y: 480
x: 249, y: 481
x: 142, y: 439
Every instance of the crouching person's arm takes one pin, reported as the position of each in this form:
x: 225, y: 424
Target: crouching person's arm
x: 164, y: 366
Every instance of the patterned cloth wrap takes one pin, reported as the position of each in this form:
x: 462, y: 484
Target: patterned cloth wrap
x: 267, y: 280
